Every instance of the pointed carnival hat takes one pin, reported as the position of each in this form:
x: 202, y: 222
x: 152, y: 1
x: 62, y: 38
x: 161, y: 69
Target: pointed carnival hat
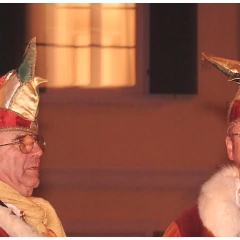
x: 231, y: 68
x: 19, y: 95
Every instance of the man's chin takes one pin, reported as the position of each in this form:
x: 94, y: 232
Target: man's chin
x: 32, y: 182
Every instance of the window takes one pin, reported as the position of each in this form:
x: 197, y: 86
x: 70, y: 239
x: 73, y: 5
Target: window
x: 88, y: 45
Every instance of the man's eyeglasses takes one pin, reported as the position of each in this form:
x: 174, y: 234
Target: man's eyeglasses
x: 26, y: 142
x: 234, y: 134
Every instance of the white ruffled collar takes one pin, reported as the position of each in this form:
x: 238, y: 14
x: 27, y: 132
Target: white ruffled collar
x: 218, y: 203
x: 14, y: 226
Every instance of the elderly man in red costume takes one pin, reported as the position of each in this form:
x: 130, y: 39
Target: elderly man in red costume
x: 21, y: 147
x: 217, y: 212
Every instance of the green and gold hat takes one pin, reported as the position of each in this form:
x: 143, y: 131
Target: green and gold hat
x: 19, y: 94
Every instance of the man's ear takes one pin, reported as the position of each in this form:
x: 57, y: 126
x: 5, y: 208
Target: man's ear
x: 229, y: 145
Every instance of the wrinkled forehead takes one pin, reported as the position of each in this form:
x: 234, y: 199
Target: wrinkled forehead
x: 12, y: 134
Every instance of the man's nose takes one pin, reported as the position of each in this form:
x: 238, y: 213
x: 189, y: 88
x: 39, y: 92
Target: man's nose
x: 37, y: 150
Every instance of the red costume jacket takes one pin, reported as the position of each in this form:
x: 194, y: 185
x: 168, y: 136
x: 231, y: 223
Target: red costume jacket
x: 188, y: 224
x: 3, y: 233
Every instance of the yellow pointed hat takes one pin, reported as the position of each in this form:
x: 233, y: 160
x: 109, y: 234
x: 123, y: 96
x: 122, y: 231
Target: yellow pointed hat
x: 231, y: 68
x: 19, y: 95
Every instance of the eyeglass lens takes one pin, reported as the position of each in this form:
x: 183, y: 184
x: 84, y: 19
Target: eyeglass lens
x: 27, y: 142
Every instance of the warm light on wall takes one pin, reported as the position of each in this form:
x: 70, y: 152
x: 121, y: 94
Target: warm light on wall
x: 88, y: 45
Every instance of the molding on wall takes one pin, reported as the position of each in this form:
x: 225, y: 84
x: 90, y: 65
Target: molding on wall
x: 127, y: 178
x: 112, y: 228
x: 107, y: 178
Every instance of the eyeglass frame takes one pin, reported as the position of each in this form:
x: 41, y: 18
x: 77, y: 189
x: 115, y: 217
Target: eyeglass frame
x: 235, y: 134
x: 18, y: 141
